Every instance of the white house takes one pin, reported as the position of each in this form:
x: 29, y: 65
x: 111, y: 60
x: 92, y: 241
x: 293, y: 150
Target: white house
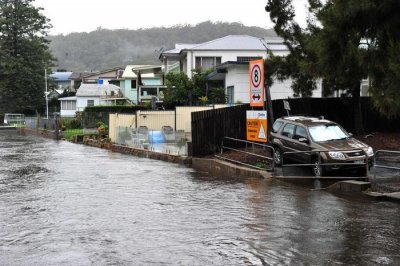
x: 229, y: 56
x: 213, y: 53
x: 90, y: 95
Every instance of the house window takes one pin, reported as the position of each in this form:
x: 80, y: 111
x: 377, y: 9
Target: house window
x: 148, y: 93
x: 229, y: 94
x: 68, y: 105
x: 247, y: 58
x: 90, y: 102
x: 207, y: 62
x: 133, y: 83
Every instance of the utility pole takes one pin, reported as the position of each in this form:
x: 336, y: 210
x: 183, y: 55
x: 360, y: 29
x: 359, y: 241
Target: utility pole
x: 47, y: 99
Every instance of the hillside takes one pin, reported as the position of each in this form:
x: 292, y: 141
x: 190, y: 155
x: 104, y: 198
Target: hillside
x: 102, y: 49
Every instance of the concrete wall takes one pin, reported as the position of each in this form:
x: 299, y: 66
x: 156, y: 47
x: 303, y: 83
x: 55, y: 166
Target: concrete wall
x: 119, y: 120
x: 184, y: 116
x: 154, y: 120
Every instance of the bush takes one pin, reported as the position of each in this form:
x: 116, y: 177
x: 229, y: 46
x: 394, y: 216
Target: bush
x: 70, y: 124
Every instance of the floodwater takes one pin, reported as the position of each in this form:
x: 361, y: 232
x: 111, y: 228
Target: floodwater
x: 68, y: 204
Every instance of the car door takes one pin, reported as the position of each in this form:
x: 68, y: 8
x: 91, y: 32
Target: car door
x: 301, y: 146
x: 287, y: 140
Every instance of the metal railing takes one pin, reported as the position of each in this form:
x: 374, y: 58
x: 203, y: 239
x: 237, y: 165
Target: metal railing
x: 362, y: 159
x: 268, y: 167
x: 385, y: 166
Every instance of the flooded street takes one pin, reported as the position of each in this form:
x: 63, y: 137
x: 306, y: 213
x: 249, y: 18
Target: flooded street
x: 68, y: 204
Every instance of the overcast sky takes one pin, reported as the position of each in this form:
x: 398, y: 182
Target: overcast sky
x: 87, y: 15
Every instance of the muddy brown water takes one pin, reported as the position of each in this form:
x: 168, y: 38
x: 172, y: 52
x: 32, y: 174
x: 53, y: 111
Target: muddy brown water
x: 67, y: 204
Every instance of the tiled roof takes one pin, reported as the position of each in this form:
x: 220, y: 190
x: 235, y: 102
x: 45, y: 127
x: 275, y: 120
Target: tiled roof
x: 96, y: 90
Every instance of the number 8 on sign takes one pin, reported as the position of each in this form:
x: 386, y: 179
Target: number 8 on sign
x: 256, y: 72
x: 256, y: 79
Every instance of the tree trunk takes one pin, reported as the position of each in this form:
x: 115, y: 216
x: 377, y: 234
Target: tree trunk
x: 358, y: 121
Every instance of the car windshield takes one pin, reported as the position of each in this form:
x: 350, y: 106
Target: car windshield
x: 327, y: 132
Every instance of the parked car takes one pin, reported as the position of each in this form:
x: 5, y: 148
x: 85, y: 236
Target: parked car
x: 317, y: 141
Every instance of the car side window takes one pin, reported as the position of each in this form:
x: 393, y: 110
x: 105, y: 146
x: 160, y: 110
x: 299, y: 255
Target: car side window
x: 277, y: 125
x: 288, y: 130
x: 300, y: 133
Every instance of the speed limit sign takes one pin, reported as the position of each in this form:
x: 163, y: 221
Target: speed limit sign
x: 257, y: 83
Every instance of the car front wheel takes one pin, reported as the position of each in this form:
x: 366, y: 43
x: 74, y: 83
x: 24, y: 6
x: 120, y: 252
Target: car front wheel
x: 278, y: 156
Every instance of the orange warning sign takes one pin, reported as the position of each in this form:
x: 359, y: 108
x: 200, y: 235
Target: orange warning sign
x: 256, y: 125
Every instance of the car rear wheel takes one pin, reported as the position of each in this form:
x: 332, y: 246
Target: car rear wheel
x: 278, y: 156
x: 317, y: 168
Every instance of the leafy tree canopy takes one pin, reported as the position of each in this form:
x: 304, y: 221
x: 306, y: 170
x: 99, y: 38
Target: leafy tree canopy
x: 24, y: 55
x: 344, y: 41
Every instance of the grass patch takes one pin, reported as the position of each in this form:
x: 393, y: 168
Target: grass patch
x: 70, y: 133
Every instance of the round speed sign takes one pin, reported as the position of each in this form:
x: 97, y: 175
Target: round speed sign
x: 256, y: 75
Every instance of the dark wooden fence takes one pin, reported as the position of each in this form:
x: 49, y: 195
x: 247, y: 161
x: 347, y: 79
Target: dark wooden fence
x: 210, y: 127
x: 340, y: 110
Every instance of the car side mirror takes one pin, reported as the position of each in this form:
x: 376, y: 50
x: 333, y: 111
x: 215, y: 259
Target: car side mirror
x: 304, y: 140
x: 350, y: 135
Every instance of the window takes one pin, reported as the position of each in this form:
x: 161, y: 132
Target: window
x: 207, y: 62
x: 277, y: 125
x: 288, y: 130
x: 68, y: 105
x: 148, y: 92
x: 327, y: 132
x: 229, y: 95
x: 300, y: 133
x: 247, y: 58
x: 90, y: 102
x: 133, y: 83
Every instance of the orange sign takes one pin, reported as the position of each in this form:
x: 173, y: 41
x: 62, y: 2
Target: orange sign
x: 256, y: 126
x: 256, y: 70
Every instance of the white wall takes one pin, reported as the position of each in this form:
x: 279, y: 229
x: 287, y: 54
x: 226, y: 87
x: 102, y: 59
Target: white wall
x: 81, y: 102
x: 238, y: 76
x: 67, y: 113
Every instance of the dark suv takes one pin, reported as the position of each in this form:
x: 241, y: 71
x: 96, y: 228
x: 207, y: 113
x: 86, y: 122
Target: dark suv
x: 316, y: 141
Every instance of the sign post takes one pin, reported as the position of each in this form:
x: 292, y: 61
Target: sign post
x: 257, y: 83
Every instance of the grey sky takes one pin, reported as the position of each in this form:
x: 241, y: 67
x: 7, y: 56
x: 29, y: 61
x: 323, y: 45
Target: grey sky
x: 86, y: 15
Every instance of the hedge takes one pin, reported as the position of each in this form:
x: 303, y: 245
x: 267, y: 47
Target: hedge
x: 115, y: 109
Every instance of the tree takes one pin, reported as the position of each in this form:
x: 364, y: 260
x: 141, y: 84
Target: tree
x: 184, y: 91
x: 24, y: 55
x: 344, y: 42
x: 178, y: 89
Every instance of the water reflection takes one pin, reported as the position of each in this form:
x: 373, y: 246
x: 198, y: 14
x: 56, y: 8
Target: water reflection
x: 65, y: 204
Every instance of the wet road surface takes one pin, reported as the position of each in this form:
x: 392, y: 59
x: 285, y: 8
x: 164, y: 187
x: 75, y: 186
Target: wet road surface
x: 67, y: 204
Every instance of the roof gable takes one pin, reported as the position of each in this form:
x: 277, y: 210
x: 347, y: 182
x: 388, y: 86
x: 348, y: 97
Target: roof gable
x: 233, y: 42
x: 96, y: 90
x: 131, y: 70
